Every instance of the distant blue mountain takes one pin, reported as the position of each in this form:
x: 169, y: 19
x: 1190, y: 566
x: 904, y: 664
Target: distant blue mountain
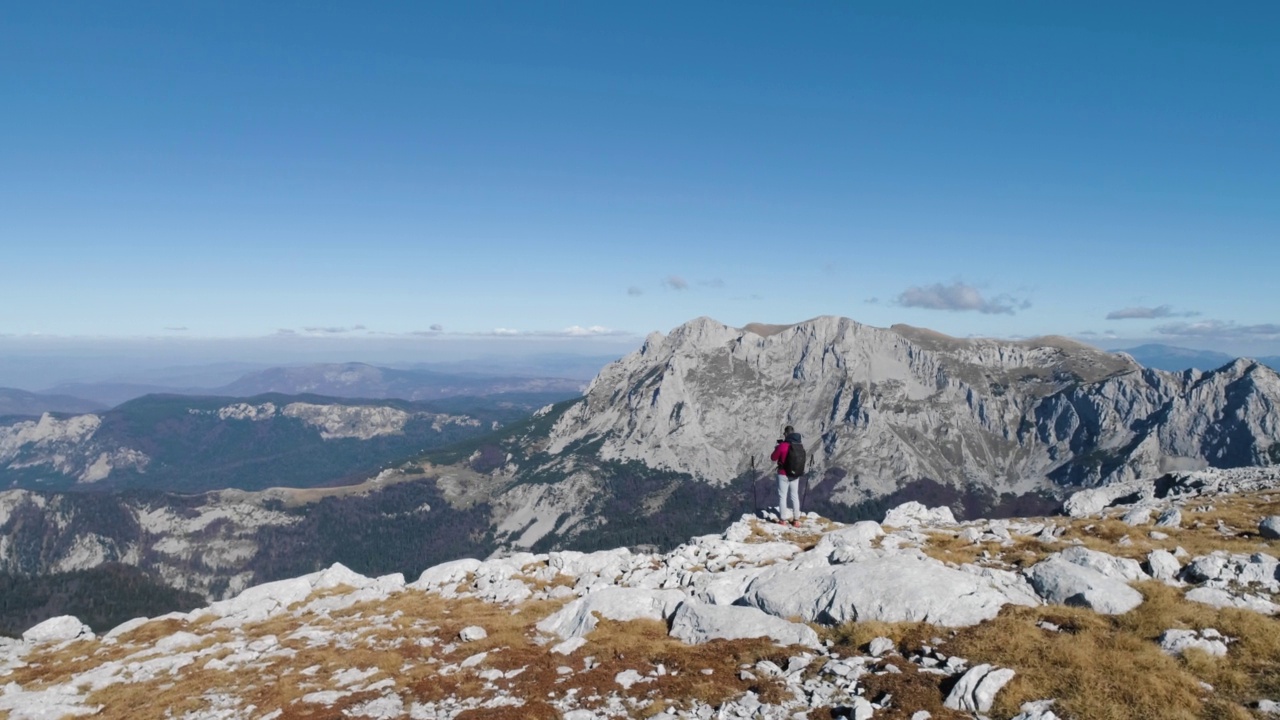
x: 20, y: 402
x: 1177, y: 359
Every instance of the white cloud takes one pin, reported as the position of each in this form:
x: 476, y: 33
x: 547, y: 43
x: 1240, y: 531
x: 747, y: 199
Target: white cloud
x: 634, y: 291
x: 675, y: 282
x: 578, y: 331
x: 333, y: 330
x: 959, y: 297
x: 1221, y: 329
x: 1147, y: 313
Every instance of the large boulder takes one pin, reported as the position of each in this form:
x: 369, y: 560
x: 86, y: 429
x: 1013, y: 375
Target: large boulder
x: 1164, y: 566
x: 914, y: 514
x: 1269, y: 528
x: 57, y: 629
x: 696, y: 623
x: 1059, y: 581
x: 904, y: 587
x: 1106, y: 564
x: 578, y: 618
x: 976, y: 690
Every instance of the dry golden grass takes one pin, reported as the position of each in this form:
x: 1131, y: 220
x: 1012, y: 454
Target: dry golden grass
x: 387, y: 643
x: 1198, y: 535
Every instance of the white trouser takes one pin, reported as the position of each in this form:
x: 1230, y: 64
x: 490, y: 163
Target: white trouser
x: 787, y: 486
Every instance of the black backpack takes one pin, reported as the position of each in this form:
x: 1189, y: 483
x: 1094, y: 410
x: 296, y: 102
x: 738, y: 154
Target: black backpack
x: 795, y: 460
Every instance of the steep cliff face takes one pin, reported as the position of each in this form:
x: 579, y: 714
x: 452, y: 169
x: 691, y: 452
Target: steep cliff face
x: 880, y: 408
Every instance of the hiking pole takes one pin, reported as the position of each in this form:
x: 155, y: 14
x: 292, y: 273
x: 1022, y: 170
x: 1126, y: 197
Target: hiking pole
x: 755, y: 496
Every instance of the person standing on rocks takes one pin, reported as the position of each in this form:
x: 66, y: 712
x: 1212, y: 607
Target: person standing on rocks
x: 790, y: 457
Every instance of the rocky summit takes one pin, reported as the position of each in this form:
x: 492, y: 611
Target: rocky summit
x: 986, y: 427
x: 1158, y: 603
x: 884, y: 406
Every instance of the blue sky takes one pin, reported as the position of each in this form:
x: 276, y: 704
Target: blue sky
x: 337, y: 169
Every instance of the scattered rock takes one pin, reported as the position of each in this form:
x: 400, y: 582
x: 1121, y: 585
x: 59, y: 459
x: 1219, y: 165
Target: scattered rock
x: 1170, y: 518
x: 881, y: 646
x: 1175, y: 642
x: 1163, y: 566
x: 1269, y: 528
x: 977, y: 688
x: 1066, y: 583
x: 1037, y: 710
x: 472, y: 633
x: 696, y: 623
x: 914, y: 514
x: 614, y: 603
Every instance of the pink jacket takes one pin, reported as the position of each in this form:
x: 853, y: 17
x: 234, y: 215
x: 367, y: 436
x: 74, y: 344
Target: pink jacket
x: 780, y: 456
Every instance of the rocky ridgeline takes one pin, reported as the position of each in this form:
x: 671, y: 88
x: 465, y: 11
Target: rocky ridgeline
x: 880, y: 407
x: 753, y: 581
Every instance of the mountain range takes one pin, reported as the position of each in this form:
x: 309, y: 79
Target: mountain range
x: 1177, y: 359
x: 342, y: 380
x: 22, y: 402
x: 184, y: 444
x: 666, y: 443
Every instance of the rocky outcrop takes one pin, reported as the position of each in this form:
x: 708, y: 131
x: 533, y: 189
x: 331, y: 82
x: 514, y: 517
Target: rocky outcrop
x: 748, y: 583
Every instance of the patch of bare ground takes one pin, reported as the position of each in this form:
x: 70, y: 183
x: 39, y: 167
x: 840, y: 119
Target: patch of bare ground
x: 805, y: 537
x: 911, y: 689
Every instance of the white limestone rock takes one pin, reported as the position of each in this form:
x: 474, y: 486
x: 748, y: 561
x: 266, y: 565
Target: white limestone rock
x: 578, y: 618
x: 57, y: 629
x: 1226, y: 568
x: 850, y: 544
x: 722, y: 588
x: 1137, y: 516
x: 1093, y: 501
x: 904, y: 587
x: 445, y: 577
x: 1060, y: 581
x: 1269, y: 528
x: 1176, y: 642
x: 881, y: 646
x: 914, y: 514
x: 1164, y: 566
x: 1037, y: 710
x: 1219, y: 598
x: 976, y: 690
x: 1106, y: 564
x: 471, y: 633
x: 1170, y: 518
x: 260, y: 602
x: 696, y: 623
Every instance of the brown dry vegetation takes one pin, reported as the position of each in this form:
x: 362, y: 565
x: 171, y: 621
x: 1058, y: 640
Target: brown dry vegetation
x: 1098, y: 667
x: 1199, y: 535
x: 386, y: 640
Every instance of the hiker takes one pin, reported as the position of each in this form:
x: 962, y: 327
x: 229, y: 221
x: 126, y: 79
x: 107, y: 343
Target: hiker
x: 790, y: 457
